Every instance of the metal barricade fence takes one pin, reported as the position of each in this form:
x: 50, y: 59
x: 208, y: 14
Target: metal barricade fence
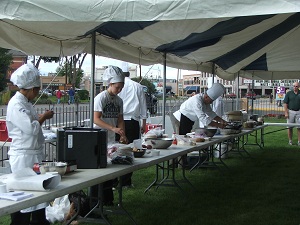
x: 77, y: 115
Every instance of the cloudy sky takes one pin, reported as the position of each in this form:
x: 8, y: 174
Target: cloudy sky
x: 154, y: 70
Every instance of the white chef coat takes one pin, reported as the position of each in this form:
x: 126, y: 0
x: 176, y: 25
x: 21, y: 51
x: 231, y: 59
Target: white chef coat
x: 195, y: 109
x: 134, y: 100
x: 218, y: 107
x: 27, y: 137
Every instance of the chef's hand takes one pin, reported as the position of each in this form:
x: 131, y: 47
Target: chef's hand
x: 123, y: 140
x: 142, y: 130
x: 119, y: 131
x: 222, y: 124
x: 48, y: 114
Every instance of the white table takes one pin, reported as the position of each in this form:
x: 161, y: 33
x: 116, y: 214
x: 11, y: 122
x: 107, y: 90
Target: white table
x: 84, y: 178
x: 7, y: 144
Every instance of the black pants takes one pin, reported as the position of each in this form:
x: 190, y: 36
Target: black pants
x: 186, y: 125
x: 37, y: 218
x: 132, y: 131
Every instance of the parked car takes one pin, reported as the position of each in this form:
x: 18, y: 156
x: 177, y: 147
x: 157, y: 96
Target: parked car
x: 46, y: 92
x: 170, y: 94
x: 158, y: 94
x: 251, y: 94
x: 230, y: 95
x: 151, y: 101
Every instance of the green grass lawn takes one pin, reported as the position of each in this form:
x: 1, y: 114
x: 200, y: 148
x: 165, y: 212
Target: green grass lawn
x: 262, y: 190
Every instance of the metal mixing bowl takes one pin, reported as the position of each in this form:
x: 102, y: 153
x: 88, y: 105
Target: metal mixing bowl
x: 205, y: 132
x: 59, y: 167
x: 161, y: 143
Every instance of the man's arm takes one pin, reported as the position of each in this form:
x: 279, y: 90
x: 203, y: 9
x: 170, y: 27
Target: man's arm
x: 286, y: 110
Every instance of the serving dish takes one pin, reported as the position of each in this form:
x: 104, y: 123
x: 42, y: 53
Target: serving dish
x: 139, y: 153
x: 205, y: 132
x: 160, y: 143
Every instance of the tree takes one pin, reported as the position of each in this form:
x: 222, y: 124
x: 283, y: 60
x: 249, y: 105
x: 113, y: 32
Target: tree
x: 66, y: 70
x: 74, y: 74
x: 45, y: 59
x: 147, y: 83
x: 6, y: 60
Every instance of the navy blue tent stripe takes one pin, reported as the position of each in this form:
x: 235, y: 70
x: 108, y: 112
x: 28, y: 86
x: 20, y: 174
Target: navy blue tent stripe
x: 211, y: 36
x: 117, y: 30
x: 258, y: 64
x: 251, y: 47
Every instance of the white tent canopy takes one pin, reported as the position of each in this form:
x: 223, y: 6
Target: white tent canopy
x: 261, y: 39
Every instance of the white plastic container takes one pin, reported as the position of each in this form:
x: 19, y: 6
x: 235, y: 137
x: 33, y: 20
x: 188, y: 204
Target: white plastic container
x: 224, y: 151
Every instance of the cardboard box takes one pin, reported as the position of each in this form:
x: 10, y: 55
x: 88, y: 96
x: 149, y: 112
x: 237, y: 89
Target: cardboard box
x: 150, y: 126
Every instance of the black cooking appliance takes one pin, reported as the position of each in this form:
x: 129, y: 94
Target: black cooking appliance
x: 84, y: 147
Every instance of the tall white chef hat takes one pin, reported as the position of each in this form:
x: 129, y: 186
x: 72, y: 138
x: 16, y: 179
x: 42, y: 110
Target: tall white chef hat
x: 215, y: 91
x: 27, y: 76
x: 125, y: 69
x: 113, y: 74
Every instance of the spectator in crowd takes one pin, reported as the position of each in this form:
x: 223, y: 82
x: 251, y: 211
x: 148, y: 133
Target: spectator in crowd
x: 199, y: 108
x: 271, y: 98
x: 291, y: 104
x: 58, y: 96
x: 24, y: 127
x: 71, y: 96
x: 108, y: 114
x: 134, y: 110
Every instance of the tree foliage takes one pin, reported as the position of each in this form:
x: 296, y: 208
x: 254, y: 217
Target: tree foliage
x: 68, y: 70
x: 46, y: 59
x: 72, y: 69
x: 147, y: 83
x: 6, y: 60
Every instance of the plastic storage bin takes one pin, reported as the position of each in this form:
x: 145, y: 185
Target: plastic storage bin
x: 3, y: 131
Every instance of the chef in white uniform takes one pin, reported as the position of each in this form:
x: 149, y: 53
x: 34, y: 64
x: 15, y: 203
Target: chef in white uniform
x: 24, y: 127
x: 198, y: 107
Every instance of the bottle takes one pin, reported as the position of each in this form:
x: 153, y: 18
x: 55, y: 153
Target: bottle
x: 174, y: 139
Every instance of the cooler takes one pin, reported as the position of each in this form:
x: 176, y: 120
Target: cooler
x: 3, y: 131
x: 150, y: 126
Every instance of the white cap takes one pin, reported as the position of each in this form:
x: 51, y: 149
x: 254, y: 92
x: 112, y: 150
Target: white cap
x: 113, y: 74
x: 215, y: 91
x: 27, y: 76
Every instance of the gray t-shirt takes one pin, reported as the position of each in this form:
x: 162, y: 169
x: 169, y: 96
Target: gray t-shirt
x: 111, y: 107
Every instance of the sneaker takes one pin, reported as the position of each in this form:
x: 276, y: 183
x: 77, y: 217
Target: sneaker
x: 291, y: 143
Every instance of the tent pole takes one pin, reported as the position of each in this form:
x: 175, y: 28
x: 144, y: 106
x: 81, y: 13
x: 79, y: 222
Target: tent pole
x: 237, y: 91
x: 165, y: 89
x: 213, y: 73
x: 251, y: 95
x: 92, y: 89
